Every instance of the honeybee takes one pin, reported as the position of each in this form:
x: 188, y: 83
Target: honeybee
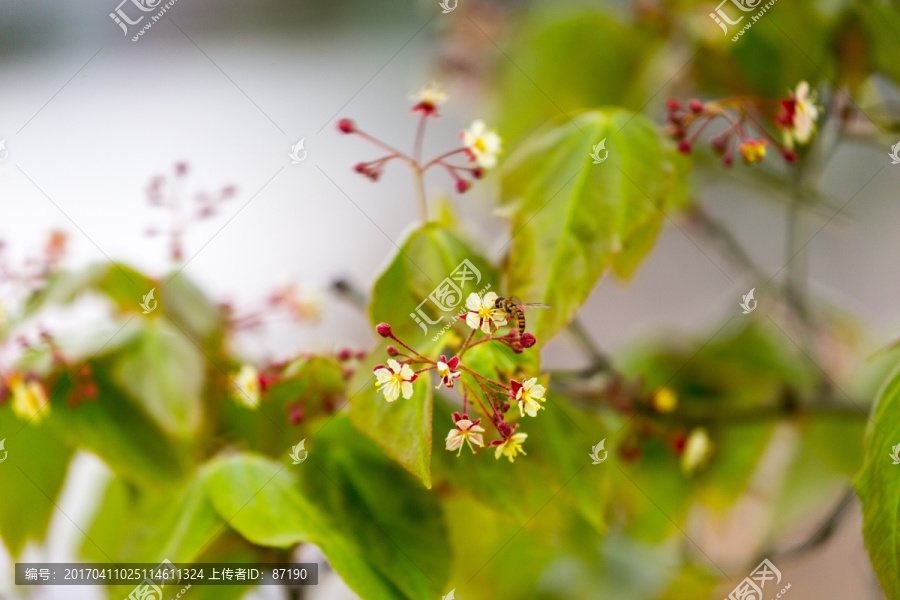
x: 514, y: 308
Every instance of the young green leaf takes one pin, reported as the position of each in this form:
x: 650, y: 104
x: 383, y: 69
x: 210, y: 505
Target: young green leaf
x: 878, y: 487
x: 572, y: 219
x: 433, y: 271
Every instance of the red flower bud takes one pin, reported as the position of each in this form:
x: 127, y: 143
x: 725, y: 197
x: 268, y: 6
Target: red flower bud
x: 89, y: 390
x: 727, y: 160
x: 295, y: 414
x: 695, y: 106
x: 392, y: 351
x: 790, y: 156
x: 684, y: 147
x: 462, y: 185
x: 346, y: 125
x: 344, y: 354
x: 528, y: 340
x: 673, y: 104
x: 478, y: 172
x: 384, y: 330
x: 505, y: 429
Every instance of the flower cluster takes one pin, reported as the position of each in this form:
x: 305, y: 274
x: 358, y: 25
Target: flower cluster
x: 744, y: 131
x: 494, y: 399
x: 480, y: 145
x: 166, y: 193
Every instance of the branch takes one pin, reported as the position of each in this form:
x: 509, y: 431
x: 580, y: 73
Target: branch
x: 599, y: 362
x: 717, y: 232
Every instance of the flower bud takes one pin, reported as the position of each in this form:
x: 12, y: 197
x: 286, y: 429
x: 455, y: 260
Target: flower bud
x: 295, y: 414
x: 684, y: 147
x: 695, y: 106
x: 528, y: 340
x: 664, y: 400
x: 673, y: 104
x: 344, y: 354
x: 462, y: 185
x: 89, y: 390
x: 697, y: 451
x: 505, y: 429
x: 790, y: 156
x: 504, y: 407
x: 392, y: 350
x: 384, y: 330
x: 346, y: 125
x: 478, y: 172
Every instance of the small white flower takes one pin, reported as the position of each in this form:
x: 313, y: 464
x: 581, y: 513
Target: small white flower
x: 394, y: 380
x: 248, y: 388
x: 798, y: 116
x: 529, y: 395
x: 429, y: 98
x: 465, y: 431
x: 483, y: 144
x: 482, y: 312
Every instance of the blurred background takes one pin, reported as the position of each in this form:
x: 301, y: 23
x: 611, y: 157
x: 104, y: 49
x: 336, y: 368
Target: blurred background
x: 228, y: 88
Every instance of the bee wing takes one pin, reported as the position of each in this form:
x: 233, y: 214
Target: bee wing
x: 518, y: 302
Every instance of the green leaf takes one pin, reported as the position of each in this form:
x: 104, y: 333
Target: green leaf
x: 261, y: 500
x: 571, y: 219
x: 829, y: 453
x: 427, y: 260
x: 401, y: 428
x: 165, y: 373
x: 188, y: 306
x: 586, y: 42
x: 563, y: 438
x: 135, y: 525
x: 31, y: 477
x: 118, y: 431
x: 380, y: 507
x: 120, y: 283
x: 557, y: 464
x: 878, y: 487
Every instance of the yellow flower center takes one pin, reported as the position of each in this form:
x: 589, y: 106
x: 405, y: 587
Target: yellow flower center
x: 480, y: 145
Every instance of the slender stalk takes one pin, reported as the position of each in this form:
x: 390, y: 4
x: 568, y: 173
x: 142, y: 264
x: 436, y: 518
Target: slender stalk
x: 420, y: 194
x: 797, y: 257
x: 419, y: 171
